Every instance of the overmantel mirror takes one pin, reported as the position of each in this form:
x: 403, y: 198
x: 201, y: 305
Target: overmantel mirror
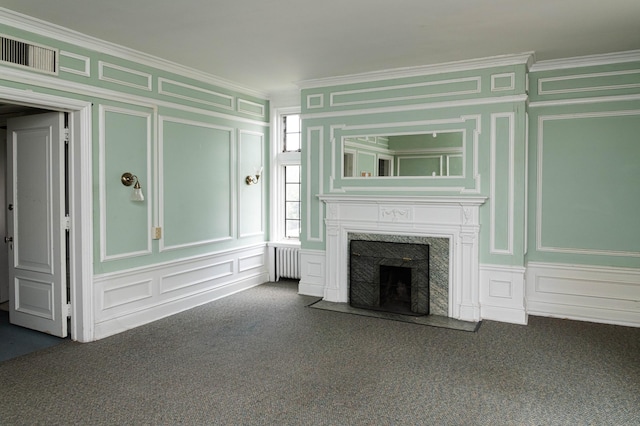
x: 433, y: 154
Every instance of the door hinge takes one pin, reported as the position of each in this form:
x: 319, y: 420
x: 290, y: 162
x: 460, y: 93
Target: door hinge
x: 66, y: 136
x: 66, y: 222
x: 68, y: 310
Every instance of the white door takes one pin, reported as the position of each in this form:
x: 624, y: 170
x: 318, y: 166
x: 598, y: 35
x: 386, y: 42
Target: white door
x: 35, y: 223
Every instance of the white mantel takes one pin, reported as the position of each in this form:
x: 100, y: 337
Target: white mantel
x: 452, y: 217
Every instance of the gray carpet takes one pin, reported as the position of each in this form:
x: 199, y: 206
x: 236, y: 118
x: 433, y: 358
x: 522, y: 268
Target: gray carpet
x: 261, y: 357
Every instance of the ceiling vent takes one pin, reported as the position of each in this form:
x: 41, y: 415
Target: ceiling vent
x: 39, y: 58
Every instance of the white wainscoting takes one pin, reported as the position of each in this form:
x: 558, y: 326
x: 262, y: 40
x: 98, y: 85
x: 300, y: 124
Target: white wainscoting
x: 128, y: 299
x: 502, y: 293
x: 587, y: 293
x: 312, y: 268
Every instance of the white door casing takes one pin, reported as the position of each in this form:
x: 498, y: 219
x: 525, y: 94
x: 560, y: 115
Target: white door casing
x: 35, y: 223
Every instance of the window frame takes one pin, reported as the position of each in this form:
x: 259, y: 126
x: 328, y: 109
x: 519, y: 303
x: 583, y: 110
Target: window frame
x: 279, y: 160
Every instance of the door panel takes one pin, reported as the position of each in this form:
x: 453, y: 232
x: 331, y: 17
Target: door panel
x: 35, y: 197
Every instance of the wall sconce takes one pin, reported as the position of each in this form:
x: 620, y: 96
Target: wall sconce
x: 128, y: 179
x: 253, y: 179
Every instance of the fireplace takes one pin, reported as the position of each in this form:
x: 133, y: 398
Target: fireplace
x: 389, y: 276
x: 452, y: 222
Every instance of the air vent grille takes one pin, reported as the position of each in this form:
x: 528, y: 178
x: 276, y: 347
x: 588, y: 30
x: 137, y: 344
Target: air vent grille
x: 29, y: 55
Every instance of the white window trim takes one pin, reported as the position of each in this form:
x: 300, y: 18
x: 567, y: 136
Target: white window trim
x: 278, y: 160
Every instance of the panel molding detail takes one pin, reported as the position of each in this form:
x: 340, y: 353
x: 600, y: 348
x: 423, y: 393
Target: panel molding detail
x: 582, y: 292
x: 162, y: 120
x: 502, y: 293
x: 431, y: 89
x: 540, y: 246
x: 83, y: 70
x: 615, y: 80
x: 497, y: 79
x: 312, y: 272
x: 131, y: 298
x: 225, y: 101
x: 102, y: 167
x: 510, y: 117
x: 319, y: 151
x: 251, y: 108
x: 246, y: 209
x: 139, y: 80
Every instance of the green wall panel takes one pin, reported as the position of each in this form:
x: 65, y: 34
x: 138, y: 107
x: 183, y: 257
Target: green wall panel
x: 126, y: 144
x: 196, y: 183
x: 589, y: 194
x: 251, y: 197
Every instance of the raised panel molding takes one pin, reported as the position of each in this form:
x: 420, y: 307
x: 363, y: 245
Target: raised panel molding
x: 127, y: 299
x: 161, y: 173
x: 103, y: 110
x: 251, y: 108
x: 137, y: 79
x: 624, y: 79
x: 502, y: 293
x: 430, y: 90
x: 315, y: 235
x: 312, y: 272
x: 67, y: 59
x: 498, y: 82
x: 198, y: 94
x: 540, y: 245
x: 315, y: 101
x: 581, y: 292
x: 510, y: 169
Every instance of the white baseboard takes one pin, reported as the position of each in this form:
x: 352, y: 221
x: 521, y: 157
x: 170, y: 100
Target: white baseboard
x: 587, y: 293
x: 128, y: 299
x: 312, y: 265
x: 502, y: 292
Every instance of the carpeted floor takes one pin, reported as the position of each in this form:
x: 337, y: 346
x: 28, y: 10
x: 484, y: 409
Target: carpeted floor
x: 262, y: 357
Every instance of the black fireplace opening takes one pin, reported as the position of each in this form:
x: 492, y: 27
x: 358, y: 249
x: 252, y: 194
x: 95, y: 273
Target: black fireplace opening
x: 395, y: 289
x: 389, y: 276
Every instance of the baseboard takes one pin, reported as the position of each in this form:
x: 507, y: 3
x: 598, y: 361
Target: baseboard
x: 586, y: 293
x: 312, y: 268
x: 128, y: 299
x: 502, y: 291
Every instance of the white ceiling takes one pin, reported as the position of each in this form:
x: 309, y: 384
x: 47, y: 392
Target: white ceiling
x: 269, y: 45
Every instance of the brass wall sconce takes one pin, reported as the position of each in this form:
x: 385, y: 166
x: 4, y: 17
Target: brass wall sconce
x: 129, y: 179
x: 253, y: 179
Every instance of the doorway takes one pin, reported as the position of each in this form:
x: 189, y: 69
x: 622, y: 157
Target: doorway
x: 80, y: 250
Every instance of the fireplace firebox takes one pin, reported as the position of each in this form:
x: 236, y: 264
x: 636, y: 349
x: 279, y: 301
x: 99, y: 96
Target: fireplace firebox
x: 389, y: 276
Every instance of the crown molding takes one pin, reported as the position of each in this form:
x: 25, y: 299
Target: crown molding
x: 66, y: 35
x: 587, y: 61
x: 526, y: 58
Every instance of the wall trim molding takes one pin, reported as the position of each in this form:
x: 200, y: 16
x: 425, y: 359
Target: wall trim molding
x: 540, y: 246
x: 128, y: 299
x: 502, y: 293
x: 47, y: 29
x: 525, y: 58
x: 586, y: 61
x: 583, y: 292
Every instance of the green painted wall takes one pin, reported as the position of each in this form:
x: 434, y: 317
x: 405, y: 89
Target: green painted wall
x: 584, y: 170
x: 486, y: 106
x: 190, y: 141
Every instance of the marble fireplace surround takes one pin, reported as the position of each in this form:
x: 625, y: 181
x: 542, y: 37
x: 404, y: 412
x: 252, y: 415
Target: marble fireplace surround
x: 453, y: 217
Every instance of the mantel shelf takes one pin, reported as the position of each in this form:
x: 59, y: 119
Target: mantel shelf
x: 402, y: 199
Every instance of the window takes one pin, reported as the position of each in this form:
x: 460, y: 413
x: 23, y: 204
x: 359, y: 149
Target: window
x: 286, y: 212
x: 291, y: 133
x: 292, y: 202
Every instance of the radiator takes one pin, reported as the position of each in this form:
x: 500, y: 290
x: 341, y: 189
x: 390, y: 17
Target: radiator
x: 287, y: 263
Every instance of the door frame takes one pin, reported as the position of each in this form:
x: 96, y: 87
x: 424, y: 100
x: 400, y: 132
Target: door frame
x: 80, y: 202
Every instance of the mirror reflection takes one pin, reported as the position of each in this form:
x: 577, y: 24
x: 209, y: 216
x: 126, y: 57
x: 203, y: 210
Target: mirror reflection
x: 429, y: 154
